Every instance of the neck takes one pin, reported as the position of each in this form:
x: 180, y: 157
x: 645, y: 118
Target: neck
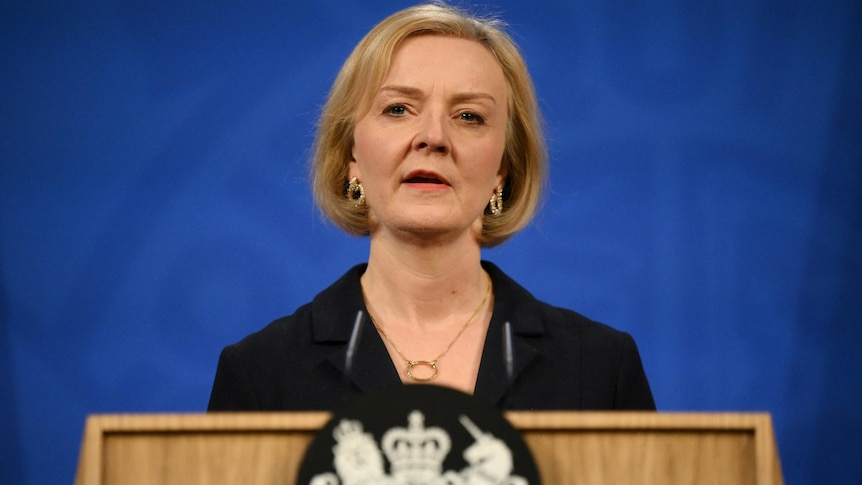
x: 423, y: 285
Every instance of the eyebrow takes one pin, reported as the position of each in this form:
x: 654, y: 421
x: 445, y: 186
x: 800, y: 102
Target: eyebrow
x: 412, y: 92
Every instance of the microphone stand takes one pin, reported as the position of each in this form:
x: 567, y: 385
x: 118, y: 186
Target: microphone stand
x: 509, y: 363
x: 350, y: 354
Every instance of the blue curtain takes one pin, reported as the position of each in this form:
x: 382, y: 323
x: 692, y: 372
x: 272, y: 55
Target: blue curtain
x: 705, y: 195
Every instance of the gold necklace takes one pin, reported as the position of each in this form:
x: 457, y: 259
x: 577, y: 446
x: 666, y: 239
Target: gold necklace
x: 432, y: 363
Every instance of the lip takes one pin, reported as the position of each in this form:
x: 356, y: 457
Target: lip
x: 425, y: 177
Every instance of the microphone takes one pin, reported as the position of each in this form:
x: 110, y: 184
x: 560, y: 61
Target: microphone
x: 352, y: 347
x: 353, y: 343
x: 508, y: 354
x: 508, y: 360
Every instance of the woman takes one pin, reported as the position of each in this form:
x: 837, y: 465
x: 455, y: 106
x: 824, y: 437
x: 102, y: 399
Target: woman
x: 430, y: 144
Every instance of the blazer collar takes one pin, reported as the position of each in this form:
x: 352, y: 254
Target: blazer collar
x: 335, y: 311
x: 513, y: 304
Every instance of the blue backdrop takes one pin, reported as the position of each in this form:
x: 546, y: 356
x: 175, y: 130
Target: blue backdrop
x: 706, y: 192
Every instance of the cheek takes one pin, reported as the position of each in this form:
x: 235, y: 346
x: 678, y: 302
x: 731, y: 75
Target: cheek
x: 489, y: 160
x: 360, y: 142
x: 370, y: 147
x: 361, y: 153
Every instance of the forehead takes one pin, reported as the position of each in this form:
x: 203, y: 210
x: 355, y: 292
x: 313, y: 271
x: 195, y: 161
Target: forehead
x: 426, y: 61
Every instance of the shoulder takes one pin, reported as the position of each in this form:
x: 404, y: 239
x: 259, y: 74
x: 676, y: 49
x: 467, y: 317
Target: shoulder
x: 328, y: 317
x: 272, y: 346
x: 565, y: 323
x: 595, y: 365
x: 279, y: 331
x: 282, y: 366
x: 532, y: 316
x: 600, y: 349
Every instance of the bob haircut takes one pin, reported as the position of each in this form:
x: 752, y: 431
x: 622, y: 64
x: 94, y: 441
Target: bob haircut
x: 524, y: 158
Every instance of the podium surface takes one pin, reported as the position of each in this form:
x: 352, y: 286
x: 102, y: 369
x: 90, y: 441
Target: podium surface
x: 583, y: 448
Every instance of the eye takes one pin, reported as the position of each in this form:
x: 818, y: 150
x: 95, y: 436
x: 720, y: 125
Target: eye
x: 472, y: 118
x: 395, y: 110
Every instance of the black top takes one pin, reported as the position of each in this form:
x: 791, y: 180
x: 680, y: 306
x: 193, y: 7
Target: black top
x: 562, y: 360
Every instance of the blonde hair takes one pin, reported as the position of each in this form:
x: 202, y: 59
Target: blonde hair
x: 524, y: 159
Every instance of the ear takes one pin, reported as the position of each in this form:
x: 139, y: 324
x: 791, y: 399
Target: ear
x: 500, y: 180
x: 353, y: 170
x: 502, y: 173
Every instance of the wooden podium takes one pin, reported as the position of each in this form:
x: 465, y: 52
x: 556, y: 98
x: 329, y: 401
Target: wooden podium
x: 583, y: 448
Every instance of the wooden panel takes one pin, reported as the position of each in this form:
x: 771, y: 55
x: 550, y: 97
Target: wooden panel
x: 203, y: 458
x: 569, y: 448
x: 651, y: 448
x: 644, y: 457
x: 229, y: 448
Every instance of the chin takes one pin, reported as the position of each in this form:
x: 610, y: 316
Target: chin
x: 426, y: 223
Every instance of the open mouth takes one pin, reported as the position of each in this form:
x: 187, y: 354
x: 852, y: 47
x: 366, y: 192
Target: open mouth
x: 425, y: 178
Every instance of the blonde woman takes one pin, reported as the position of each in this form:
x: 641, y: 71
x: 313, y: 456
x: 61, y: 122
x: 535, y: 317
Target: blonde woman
x: 430, y: 144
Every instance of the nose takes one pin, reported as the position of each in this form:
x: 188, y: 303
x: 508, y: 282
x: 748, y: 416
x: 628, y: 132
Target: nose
x: 432, y: 135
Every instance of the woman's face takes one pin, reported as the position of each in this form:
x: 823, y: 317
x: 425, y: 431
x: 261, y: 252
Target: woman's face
x: 429, y: 151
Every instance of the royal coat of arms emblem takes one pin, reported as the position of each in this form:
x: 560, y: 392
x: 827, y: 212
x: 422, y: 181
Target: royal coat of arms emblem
x: 371, y: 445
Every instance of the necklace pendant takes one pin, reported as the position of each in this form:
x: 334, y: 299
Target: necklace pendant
x: 427, y: 363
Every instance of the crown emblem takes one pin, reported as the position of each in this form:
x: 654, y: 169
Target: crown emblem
x: 416, y: 453
x: 356, y: 453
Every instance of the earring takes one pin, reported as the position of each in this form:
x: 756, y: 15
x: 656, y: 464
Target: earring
x: 356, y: 192
x: 495, y: 205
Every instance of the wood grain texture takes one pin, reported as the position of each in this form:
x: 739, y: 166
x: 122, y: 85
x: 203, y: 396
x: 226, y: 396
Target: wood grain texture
x: 582, y: 448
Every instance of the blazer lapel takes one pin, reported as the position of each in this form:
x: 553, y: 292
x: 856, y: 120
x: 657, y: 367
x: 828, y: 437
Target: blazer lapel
x: 372, y: 367
x: 493, y: 384
x: 515, y: 305
x: 334, y: 315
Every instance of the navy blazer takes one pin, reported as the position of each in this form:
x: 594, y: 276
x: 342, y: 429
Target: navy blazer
x: 562, y: 360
